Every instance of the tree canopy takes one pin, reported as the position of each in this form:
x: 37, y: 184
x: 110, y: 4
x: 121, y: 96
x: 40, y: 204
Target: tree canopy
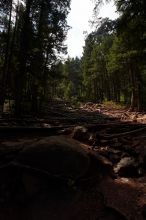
x: 112, y: 66
x: 31, y: 36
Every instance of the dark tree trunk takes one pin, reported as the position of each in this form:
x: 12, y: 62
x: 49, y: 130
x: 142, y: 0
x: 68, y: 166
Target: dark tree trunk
x: 135, y: 91
x: 39, y: 68
x: 3, y: 88
x: 23, y: 56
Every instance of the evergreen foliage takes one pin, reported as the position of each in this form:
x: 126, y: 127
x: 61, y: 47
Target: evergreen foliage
x: 113, y: 61
x: 112, y: 67
x: 31, y: 38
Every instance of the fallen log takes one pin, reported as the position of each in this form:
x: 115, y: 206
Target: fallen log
x: 123, y: 134
x: 15, y: 132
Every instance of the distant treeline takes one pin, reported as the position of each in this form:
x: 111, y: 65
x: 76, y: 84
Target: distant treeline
x: 113, y: 65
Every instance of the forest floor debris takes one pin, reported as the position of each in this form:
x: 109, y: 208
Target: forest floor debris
x: 119, y: 143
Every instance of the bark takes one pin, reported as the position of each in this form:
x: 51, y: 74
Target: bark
x: 135, y: 93
x: 6, y: 61
x: 24, y: 46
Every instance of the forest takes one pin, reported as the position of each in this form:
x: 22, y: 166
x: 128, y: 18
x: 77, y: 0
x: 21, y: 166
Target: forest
x: 72, y: 129
x: 32, y: 68
x: 31, y: 39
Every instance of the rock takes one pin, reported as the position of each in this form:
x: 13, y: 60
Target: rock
x: 127, y: 167
x: 113, y: 214
x: 114, y: 155
x: 144, y: 211
x: 58, y: 156
x: 54, y: 163
x: 81, y: 133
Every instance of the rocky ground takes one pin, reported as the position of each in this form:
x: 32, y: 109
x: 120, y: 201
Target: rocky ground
x: 116, y: 137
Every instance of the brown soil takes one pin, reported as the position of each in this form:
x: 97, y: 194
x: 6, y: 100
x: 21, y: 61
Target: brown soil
x: 110, y: 133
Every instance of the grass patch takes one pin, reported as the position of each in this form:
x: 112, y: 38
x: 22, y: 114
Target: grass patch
x: 111, y: 104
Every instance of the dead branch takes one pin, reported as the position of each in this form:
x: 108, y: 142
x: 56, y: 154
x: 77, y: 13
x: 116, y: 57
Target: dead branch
x: 122, y: 134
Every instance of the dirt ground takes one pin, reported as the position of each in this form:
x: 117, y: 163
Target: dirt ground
x: 118, y: 190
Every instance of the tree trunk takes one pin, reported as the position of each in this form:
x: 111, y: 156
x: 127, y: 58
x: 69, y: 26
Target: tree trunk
x: 3, y: 87
x: 135, y: 93
x: 23, y: 55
